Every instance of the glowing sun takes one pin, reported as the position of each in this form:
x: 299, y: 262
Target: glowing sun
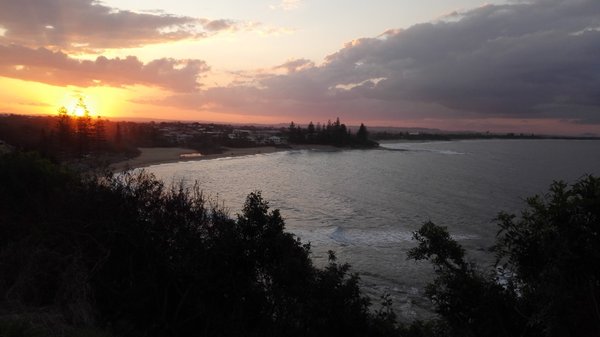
x: 79, y: 108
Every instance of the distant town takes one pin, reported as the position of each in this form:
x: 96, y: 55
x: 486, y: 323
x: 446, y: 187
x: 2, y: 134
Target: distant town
x: 65, y: 137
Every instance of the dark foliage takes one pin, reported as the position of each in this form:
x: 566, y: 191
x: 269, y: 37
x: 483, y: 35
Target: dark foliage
x: 130, y: 257
x: 67, y: 138
x: 336, y: 134
x: 552, y: 255
x: 469, y: 301
x: 547, y: 277
x: 424, y: 134
x: 127, y: 256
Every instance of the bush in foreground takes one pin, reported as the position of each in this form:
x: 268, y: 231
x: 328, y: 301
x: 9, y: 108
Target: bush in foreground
x: 127, y: 256
x: 546, y: 281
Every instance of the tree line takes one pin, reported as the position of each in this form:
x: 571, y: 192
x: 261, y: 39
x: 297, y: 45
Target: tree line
x: 331, y: 133
x: 66, y: 138
x: 80, y: 135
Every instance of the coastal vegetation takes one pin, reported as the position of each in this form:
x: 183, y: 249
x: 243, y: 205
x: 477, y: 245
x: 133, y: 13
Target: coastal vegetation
x: 331, y: 133
x: 124, y: 255
x: 546, y: 279
x: 86, y: 252
x: 69, y: 138
x: 128, y: 256
x: 88, y: 142
x: 438, y: 135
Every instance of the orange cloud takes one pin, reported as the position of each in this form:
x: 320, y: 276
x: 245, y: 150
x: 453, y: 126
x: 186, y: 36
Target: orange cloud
x: 56, y: 68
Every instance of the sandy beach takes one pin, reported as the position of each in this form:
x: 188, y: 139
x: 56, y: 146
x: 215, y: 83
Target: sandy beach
x: 161, y: 155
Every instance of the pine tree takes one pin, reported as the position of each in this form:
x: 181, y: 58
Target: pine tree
x: 362, y: 134
x: 118, y: 135
x: 64, y: 129
x: 99, y: 134
x: 84, y: 124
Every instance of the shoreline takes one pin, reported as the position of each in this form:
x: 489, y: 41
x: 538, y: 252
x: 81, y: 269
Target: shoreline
x: 164, y: 155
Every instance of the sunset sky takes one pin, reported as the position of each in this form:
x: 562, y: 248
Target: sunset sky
x: 519, y: 66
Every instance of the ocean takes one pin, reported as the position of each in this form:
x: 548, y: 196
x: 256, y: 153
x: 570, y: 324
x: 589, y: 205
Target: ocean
x: 365, y: 204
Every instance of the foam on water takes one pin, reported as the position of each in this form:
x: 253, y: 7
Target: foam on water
x: 365, y: 204
x: 406, y: 147
x: 372, y: 238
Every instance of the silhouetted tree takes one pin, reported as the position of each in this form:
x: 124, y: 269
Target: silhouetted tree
x: 84, y: 129
x: 311, y: 131
x: 551, y: 256
x: 126, y: 255
x: 99, y: 134
x: 467, y: 300
x: 333, y: 133
x: 311, y: 128
x: 547, y: 281
x: 295, y: 133
x: 362, y: 135
x: 118, y: 135
x: 64, y: 128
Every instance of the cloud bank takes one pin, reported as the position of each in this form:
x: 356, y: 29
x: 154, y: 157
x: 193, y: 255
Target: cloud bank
x: 57, y: 68
x: 88, y: 25
x: 520, y: 60
x: 536, y: 60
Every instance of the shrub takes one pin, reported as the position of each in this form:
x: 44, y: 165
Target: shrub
x: 546, y: 281
x: 127, y: 255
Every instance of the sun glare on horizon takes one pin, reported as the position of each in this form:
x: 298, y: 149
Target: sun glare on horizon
x: 102, y: 102
x: 79, y: 105
x: 80, y: 110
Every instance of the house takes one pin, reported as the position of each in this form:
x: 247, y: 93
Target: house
x: 276, y: 140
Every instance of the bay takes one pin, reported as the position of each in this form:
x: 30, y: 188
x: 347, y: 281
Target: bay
x: 365, y: 204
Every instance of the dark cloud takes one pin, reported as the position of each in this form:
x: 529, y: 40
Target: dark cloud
x: 90, y: 25
x: 57, y: 68
x: 519, y: 60
x: 498, y: 60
